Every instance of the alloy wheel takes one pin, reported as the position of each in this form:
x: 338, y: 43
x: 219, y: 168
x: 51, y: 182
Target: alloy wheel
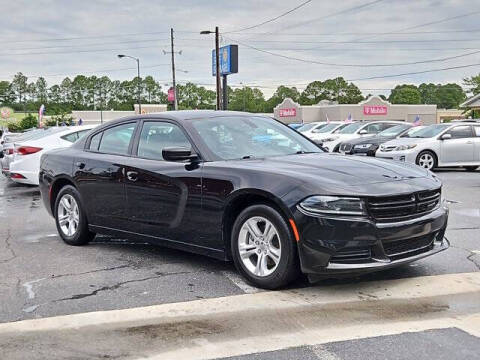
x: 426, y: 161
x: 68, y: 215
x: 259, y: 246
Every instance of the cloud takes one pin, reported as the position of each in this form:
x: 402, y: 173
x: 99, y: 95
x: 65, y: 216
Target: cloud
x: 301, y: 34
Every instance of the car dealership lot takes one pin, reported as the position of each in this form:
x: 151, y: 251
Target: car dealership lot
x: 41, y: 276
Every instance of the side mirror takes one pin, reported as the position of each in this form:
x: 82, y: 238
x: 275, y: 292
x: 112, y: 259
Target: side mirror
x: 363, y: 132
x: 446, y: 136
x: 178, y: 154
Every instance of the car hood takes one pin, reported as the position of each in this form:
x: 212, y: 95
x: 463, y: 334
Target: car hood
x: 376, y: 140
x: 334, y: 171
x: 407, y: 141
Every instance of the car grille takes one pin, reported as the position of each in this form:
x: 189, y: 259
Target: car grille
x: 406, y: 247
x: 352, y: 256
x: 402, y: 207
x: 346, y: 147
x: 387, y: 148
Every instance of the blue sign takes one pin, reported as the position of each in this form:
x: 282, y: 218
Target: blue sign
x: 228, y: 60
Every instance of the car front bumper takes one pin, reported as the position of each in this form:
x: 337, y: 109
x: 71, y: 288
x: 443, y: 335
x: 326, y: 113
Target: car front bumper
x: 335, y: 246
x: 404, y: 156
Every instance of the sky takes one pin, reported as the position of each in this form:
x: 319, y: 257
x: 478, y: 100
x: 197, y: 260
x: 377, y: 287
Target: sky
x: 321, y: 39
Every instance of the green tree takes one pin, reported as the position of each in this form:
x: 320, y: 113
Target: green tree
x: 247, y: 99
x: 428, y: 93
x: 28, y: 122
x: 474, y: 83
x: 41, y: 90
x: 449, y: 96
x: 7, y: 96
x: 337, y: 89
x: 405, y: 94
x: 20, y: 87
x: 281, y: 94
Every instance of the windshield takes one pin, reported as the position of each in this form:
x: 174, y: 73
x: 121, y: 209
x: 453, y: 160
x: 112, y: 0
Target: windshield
x: 307, y: 127
x: 412, y: 131
x: 394, y: 130
x: 327, y: 128
x: 429, y: 131
x: 337, y: 130
x: 351, y: 128
x: 237, y: 137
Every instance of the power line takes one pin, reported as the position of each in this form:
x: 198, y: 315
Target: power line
x: 450, y: 18
x: 366, y: 33
x: 358, y: 65
x: 358, y: 7
x: 415, y: 72
x: 271, y: 20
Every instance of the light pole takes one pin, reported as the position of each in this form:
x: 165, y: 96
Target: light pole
x: 217, y: 63
x: 138, y: 75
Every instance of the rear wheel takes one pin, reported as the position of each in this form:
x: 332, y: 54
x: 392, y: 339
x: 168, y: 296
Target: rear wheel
x: 263, y: 247
x: 427, y: 160
x: 70, y: 217
x: 471, y: 168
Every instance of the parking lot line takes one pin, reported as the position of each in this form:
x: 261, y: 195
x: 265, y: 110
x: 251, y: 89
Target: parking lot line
x: 235, y: 325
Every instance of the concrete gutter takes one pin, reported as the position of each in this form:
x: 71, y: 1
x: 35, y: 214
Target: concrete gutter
x: 242, y: 324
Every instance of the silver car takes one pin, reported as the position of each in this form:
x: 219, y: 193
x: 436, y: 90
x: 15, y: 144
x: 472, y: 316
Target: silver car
x: 440, y: 145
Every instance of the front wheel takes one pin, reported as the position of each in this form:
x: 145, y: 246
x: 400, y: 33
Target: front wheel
x: 263, y: 247
x: 70, y: 218
x: 427, y: 160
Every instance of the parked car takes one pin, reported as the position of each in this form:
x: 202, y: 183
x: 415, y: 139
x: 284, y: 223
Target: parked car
x: 203, y: 181
x: 26, y: 163
x: 8, y: 147
x: 295, y: 125
x: 309, y: 128
x: 357, y: 130
x: 368, y: 146
x: 322, y: 132
x: 454, y: 144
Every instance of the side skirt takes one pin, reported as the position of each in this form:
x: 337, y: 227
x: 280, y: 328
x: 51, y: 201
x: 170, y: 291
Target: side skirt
x: 179, y: 245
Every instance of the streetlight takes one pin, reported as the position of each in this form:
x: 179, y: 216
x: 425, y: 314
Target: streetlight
x: 138, y: 75
x: 217, y: 62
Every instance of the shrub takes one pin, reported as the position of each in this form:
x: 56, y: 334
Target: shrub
x: 29, y: 121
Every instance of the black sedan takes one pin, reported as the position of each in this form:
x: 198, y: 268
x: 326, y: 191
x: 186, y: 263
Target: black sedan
x: 369, y: 145
x: 241, y: 187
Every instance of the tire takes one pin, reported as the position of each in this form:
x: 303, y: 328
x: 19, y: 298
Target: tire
x: 471, y: 168
x: 427, y: 159
x: 280, y: 246
x: 70, y: 218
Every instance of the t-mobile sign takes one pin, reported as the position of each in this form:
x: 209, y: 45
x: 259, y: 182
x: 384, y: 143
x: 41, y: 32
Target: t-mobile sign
x: 374, y: 110
x: 290, y: 112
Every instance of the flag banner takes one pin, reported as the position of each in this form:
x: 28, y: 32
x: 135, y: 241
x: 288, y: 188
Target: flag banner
x: 41, y: 112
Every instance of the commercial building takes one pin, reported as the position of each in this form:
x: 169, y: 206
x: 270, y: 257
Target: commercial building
x: 374, y: 108
x: 97, y: 116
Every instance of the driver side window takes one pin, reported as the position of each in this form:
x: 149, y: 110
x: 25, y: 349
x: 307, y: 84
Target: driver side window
x: 460, y: 132
x: 156, y: 136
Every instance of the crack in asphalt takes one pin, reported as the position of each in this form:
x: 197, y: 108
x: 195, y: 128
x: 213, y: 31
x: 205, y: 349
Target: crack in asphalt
x: 465, y: 228
x: 117, y: 285
x: 90, y: 272
x: 8, y: 246
x: 470, y: 257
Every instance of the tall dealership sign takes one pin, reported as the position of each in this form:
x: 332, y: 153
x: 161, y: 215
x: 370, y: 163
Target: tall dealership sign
x: 228, y: 56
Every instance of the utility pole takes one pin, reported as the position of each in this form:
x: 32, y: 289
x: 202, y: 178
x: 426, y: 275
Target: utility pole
x: 174, y: 84
x: 175, y: 103
x: 217, y: 64
x: 217, y: 67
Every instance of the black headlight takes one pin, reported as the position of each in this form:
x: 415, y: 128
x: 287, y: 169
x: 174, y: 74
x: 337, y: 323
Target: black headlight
x: 334, y: 205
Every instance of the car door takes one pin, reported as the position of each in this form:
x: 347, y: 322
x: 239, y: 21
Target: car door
x: 99, y: 172
x: 460, y: 148
x: 476, y: 140
x: 163, y: 197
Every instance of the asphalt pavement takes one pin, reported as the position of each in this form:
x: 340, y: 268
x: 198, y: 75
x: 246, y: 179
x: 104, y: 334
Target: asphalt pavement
x: 40, y: 276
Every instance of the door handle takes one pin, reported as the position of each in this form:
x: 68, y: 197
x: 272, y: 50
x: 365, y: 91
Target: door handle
x: 80, y: 164
x: 132, y: 175
x: 469, y: 142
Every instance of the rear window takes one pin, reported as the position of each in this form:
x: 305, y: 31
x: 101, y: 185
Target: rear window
x: 116, y: 140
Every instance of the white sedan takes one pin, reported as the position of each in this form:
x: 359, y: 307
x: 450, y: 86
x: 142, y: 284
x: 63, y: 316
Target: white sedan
x: 319, y: 133
x: 452, y: 144
x: 357, y: 130
x: 26, y: 164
